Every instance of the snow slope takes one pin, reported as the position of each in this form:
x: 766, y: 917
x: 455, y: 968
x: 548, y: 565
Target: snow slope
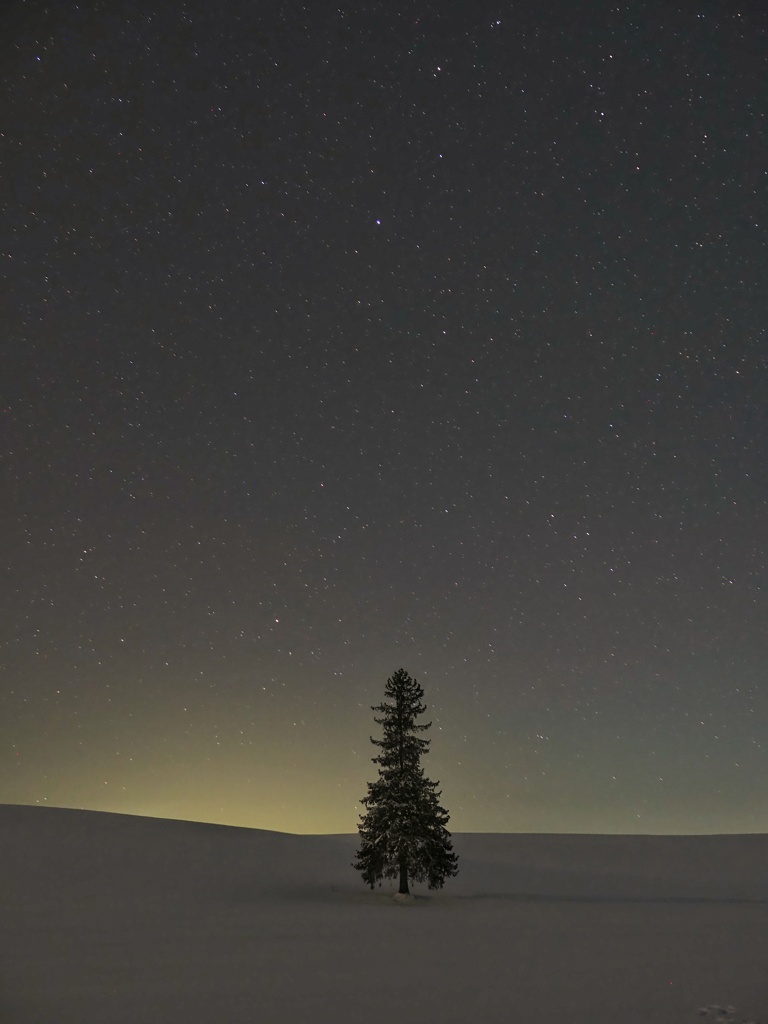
x: 112, y: 919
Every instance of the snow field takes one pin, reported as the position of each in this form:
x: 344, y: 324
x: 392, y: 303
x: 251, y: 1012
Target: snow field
x: 112, y: 919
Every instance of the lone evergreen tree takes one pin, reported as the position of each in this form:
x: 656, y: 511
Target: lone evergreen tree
x: 403, y: 831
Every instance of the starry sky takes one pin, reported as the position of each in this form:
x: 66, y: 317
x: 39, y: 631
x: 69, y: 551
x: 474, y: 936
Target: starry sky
x: 344, y: 338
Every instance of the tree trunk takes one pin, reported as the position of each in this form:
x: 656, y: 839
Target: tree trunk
x: 404, y: 877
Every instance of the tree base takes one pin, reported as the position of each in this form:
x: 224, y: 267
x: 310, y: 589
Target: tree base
x: 403, y: 897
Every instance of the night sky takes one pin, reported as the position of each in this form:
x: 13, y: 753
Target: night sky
x: 344, y: 338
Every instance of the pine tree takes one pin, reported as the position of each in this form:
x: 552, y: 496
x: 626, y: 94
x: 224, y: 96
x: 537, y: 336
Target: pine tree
x: 403, y: 833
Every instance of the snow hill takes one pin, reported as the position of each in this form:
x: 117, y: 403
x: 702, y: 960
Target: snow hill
x: 113, y: 919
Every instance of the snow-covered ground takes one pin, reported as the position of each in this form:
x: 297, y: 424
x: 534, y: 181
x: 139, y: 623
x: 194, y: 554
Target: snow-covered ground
x: 111, y: 919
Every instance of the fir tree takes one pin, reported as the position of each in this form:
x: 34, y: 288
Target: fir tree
x: 403, y: 833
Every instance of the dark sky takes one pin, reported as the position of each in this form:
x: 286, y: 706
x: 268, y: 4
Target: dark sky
x: 344, y: 338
